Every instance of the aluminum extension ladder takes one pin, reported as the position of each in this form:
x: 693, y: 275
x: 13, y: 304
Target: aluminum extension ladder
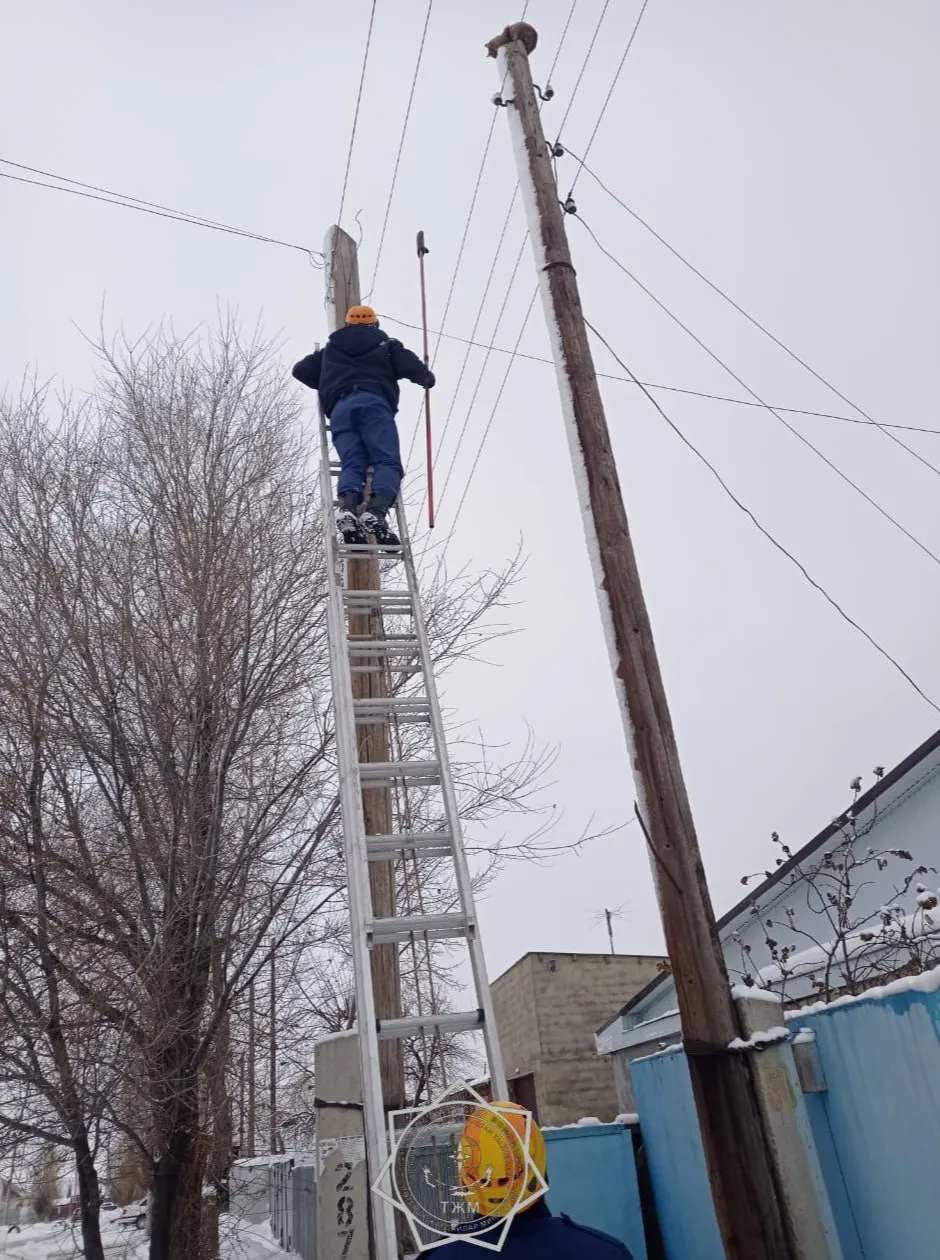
x: 404, y: 655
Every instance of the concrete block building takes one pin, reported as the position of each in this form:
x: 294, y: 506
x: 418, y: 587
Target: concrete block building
x: 548, y: 1007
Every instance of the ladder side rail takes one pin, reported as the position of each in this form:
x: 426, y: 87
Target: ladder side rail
x: 452, y: 813
x: 360, y: 907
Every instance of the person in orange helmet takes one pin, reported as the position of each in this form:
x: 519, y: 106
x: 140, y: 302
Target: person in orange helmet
x: 357, y: 374
x: 497, y: 1179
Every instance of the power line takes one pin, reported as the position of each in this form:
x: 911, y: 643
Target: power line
x: 561, y: 42
x: 671, y: 389
x: 600, y: 117
x: 483, y: 369
x: 453, y: 279
x: 401, y: 145
x: 476, y: 459
x: 352, y: 138
x: 584, y: 65
x: 145, y: 207
x: 765, y: 531
x: 489, y: 423
x: 778, y: 415
x: 558, y: 51
x: 476, y: 323
x: 463, y: 240
x: 752, y: 320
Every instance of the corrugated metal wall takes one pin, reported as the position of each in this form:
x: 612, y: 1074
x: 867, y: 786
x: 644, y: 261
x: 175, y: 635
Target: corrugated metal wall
x: 592, y: 1178
x: 304, y: 1237
x: 675, y: 1158
x: 877, y: 1131
x: 591, y: 1172
x: 881, y: 1061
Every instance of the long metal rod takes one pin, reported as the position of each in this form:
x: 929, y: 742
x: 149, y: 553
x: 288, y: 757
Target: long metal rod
x: 360, y: 901
x: 422, y: 250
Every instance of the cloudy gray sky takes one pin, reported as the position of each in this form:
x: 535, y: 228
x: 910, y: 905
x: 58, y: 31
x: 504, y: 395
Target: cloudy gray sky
x: 789, y: 150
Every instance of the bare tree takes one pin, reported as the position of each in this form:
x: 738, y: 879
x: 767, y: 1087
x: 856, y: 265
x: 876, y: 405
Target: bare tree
x: 821, y: 936
x: 168, y: 805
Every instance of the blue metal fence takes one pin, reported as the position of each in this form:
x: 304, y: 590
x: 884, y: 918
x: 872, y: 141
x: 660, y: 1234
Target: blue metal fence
x: 663, y: 1091
x: 304, y: 1218
x: 592, y: 1178
x: 881, y: 1061
x: 877, y: 1130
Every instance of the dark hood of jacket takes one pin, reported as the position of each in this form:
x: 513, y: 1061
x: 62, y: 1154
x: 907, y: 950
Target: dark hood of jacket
x: 361, y: 356
x: 356, y: 340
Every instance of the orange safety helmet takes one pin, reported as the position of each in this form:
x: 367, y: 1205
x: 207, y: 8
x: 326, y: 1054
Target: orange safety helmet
x: 494, y: 1172
x: 361, y: 315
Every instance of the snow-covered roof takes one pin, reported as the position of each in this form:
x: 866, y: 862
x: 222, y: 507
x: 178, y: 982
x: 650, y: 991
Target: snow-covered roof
x: 652, y: 1009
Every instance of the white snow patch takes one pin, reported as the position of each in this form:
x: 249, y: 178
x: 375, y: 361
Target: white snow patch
x: 926, y: 982
x: 805, y: 1037
x: 586, y: 1122
x: 337, y: 1036
x: 61, y: 1240
x: 571, y: 429
x: 754, y: 993
x: 769, y: 1037
x: 655, y: 1019
x: 627, y: 1117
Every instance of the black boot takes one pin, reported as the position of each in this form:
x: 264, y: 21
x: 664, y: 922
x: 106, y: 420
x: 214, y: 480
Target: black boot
x: 374, y: 520
x: 347, y: 522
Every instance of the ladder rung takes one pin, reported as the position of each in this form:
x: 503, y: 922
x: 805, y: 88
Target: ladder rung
x: 383, y: 647
x: 378, y: 608
x: 402, y: 670
x: 452, y: 1022
x: 372, y: 773
x: 378, y: 598
x: 362, y: 551
x: 434, y: 926
x: 369, y: 712
x: 434, y: 844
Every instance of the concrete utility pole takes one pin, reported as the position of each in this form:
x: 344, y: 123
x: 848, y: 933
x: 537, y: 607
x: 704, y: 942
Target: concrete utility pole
x: 342, y: 292
x: 738, y: 1164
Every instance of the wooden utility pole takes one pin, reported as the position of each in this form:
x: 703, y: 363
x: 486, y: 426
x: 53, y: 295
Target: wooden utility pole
x: 736, y: 1154
x: 251, y: 1068
x: 342, y: 279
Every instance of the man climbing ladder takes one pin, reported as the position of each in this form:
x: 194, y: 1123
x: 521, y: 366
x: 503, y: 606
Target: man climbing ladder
x: 357, y: 375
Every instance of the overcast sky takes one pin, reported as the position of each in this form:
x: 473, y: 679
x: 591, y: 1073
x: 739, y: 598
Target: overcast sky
x: 789, y: 150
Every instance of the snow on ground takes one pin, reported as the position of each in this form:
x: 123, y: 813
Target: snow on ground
x: 61, y: 1240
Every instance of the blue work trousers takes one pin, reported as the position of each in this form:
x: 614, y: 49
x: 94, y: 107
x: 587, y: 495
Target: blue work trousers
x: 365, y: 436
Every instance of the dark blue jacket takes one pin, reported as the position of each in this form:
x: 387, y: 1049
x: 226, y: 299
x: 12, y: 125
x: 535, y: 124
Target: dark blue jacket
x: 537, y: 1235
x: 361, y: 356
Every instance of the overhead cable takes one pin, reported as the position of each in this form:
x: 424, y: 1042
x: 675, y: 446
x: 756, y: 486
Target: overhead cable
x: 610, y: 92
x: 401, y: 145
x: 767, y: 407
x: 466, y: 229
x: 486, y: 359
x: 765, y: 531
x: 352, y: 136
x: 755, y: 322
x: 128, y: 202
x: 671, y: 389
